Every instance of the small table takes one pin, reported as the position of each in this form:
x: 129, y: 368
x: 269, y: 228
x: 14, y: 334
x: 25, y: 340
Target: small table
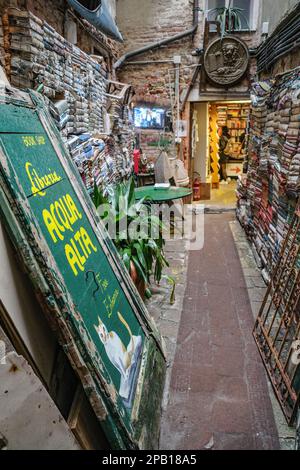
x: 162, y: 195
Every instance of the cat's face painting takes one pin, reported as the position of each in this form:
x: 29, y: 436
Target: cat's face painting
x: 101, y: 331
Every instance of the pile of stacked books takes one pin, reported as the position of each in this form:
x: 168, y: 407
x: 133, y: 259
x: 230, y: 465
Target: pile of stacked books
x: 36, y: 56
x: 273, y: 179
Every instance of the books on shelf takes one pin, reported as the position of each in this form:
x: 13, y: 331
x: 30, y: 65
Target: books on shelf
x: 235, y: 117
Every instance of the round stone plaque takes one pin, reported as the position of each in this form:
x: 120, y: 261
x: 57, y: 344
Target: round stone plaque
x: 226, y: 60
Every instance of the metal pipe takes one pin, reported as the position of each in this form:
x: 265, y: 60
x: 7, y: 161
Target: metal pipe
x: 191, y: 85
x: 282, y: 35
x: 266, y: 59
x: 284, y: 40
x: 162, y: 42
x: 177, y: 89
x: 281, y: 53
x: 149, y: 62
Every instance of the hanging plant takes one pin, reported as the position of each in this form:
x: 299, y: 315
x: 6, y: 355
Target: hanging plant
x: 230, y: 18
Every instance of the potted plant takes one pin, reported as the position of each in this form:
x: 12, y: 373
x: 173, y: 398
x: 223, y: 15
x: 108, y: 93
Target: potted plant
x: 143, y: 256
x: 231, y: 18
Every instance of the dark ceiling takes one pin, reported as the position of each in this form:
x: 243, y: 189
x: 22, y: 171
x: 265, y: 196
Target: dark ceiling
x: 90, y: 4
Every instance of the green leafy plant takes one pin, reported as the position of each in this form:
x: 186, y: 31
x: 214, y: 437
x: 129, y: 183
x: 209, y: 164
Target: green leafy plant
x: 142, y: 253
x: 172, y: 283
x: 230, y: 18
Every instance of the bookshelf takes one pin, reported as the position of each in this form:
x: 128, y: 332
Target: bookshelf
x: 235, y: 117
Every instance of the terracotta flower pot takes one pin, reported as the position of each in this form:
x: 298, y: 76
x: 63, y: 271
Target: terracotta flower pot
x: 133, y: 272
x: 141, y: 287
x: 139, y: 283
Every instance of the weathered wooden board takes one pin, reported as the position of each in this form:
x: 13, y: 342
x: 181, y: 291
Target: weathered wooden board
x: 100, y: 319
x: 22, y: 316
x: 29, y: 420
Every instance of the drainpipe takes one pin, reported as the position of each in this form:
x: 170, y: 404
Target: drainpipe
x: 163, y: 42
x: 298, y: 431
x: 190, y: 85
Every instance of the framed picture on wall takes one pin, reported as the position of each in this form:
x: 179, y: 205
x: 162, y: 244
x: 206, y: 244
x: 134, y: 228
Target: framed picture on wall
x: 181, y: 129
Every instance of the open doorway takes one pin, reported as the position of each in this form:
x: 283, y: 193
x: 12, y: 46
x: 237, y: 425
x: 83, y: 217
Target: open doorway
x: 219, y: 137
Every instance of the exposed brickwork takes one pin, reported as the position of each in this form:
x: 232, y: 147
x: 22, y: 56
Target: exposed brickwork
x: 52, y: 12
x: 143, y: 22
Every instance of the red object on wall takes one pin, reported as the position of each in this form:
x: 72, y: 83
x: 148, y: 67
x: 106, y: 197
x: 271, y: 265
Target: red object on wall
x: 197, y: 190
x: 136, y: 159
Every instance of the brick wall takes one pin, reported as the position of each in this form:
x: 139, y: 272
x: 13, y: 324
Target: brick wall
x: 286, y: 63
x: 143, y: 22
x: 50, y: 11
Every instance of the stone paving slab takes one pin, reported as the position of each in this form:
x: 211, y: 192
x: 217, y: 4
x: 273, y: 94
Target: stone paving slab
x: 167, y: 316
x: 218, y: 397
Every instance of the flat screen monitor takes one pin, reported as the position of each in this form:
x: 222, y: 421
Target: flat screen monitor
x: 149, y: 118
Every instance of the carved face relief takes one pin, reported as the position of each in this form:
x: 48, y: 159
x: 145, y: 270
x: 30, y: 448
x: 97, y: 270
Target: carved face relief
x: 226, y: 60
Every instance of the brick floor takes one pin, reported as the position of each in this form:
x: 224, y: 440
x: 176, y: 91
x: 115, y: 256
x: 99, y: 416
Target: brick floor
x: 218, y: 393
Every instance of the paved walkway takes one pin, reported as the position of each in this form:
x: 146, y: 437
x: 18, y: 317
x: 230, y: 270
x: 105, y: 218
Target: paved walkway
x: 224, y: 197
x: 218, y: 394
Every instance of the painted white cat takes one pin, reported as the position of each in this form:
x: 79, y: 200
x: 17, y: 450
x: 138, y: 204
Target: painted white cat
x: 123, y: 359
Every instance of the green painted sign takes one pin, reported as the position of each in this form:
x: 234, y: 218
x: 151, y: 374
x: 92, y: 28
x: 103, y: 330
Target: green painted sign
x: 103, y: 319
x: 105, y: 311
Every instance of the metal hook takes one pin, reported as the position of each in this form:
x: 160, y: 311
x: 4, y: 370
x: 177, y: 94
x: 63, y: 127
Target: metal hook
x: 95, y: 280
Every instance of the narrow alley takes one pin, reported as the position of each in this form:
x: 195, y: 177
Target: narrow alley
x: 218, y: 395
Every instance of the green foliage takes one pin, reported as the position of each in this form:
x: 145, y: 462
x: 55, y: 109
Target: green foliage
x: 146, y: 253
x: 163, y: 143
x: 172, y: 282
x: 98, y: 198
x: 230, y: 18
